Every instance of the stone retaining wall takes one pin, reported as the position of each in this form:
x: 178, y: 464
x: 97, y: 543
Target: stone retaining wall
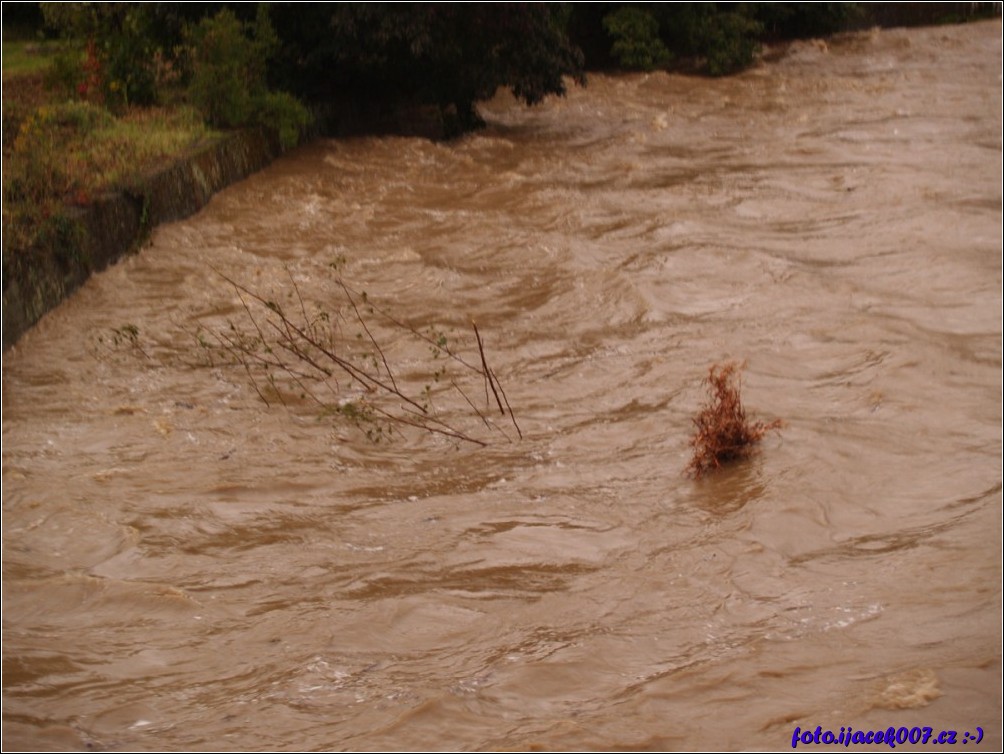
x: 117, y: 223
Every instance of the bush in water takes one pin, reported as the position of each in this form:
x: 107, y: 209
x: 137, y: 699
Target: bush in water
x: 723, y: 431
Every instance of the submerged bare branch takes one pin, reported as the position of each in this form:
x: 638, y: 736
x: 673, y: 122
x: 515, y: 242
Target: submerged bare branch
x: 284, y: 352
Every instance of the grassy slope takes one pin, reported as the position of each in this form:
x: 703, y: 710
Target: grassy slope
x: 58, y: 152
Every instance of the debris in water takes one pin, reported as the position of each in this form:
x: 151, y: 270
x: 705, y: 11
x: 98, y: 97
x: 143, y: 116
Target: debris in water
x: 723, y: 431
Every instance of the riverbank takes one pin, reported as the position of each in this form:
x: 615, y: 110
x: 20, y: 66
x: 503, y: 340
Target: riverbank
x: 55, y: 248
x: 116, y: 223
x: 92, y: 161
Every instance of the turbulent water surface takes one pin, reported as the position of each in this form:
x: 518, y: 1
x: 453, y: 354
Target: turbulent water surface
x: 188, y: 568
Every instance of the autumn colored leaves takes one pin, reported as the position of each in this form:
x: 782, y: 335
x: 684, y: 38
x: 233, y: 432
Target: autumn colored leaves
x: 723, y: 433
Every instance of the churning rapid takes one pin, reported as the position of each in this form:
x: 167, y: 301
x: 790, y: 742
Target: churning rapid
x: 188, y: 568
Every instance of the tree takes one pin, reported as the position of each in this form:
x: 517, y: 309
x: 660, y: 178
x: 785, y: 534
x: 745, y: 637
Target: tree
x: 449, y: 55
x: 724, y: 36
x: 228, y: 78
x: 121, y: 45
x: 636, y: 38
x: 228, y: 66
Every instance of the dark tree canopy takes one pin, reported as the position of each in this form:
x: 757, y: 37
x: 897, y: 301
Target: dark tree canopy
x: 416, y: 58
x: 449, y: 55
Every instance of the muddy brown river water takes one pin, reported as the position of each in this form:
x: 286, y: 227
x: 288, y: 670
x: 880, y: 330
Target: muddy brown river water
x: 187, y: 568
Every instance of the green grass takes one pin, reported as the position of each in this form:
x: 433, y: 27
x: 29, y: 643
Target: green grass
x: 84, y: 148
x: 22, y: 56
x: 67, y: 153
x: 137, y: 141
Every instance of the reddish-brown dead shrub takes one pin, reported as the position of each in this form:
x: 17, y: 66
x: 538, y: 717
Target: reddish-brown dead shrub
x: 723, y: 431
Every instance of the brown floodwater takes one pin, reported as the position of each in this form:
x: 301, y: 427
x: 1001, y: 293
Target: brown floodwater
x: 185, y: 567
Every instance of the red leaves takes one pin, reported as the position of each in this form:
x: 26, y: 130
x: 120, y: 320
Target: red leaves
x: 723, y: 433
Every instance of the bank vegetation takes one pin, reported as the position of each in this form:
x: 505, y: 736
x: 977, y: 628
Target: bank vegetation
x: 97, y: 95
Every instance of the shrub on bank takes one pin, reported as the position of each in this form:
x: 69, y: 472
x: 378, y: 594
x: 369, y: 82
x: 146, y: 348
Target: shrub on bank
x: 719, y: 39
x: 636, y: 39
x: 67, y: 153
x: 228, y: 67
x: 39, y: 179
x: 123, y: 55
x: 729, y: 42
x: 283, y: 113
x: 73, y: 148
x: 113, y: 44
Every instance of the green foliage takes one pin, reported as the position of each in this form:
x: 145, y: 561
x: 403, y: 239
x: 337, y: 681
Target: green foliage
x: 282, y: 113
x: 80, y: 118
x: 37, y: 169
x: 447, y: 55
x: 24, y: 57
x: 65, y: 73
x: 65, y: 154
x: 729, y: 41
x: 636, y: 39
x: 228, y: 76
x: 118, y: 67
x: 722, y: 37
x: 127, y: 56
x: 227, y: 68
x: 718, y: 38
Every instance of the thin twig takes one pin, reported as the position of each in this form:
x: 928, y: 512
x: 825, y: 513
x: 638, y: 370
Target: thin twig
x: 512, y: 416
x: 487, y: 422
x: 296, y: 289
x: 471, y: 404
x: 487, y: 372
x: 447, y: 432
x: 364, y: 378
x: 373, y: 340
x: 417, y: 333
